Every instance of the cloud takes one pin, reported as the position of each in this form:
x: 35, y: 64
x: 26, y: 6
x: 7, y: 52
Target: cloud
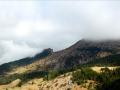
x: 11, y: 51
x: 89, y: 19
x: 27, y: 27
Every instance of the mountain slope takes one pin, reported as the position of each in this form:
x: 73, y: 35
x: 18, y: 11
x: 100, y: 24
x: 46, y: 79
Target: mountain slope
x: 25, y: 61
x: 82, y: 52
x: 79, y: 53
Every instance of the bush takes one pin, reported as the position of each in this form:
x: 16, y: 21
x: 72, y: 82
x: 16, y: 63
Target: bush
x: 107, y: 78
x: 104, y: 79
x: 52, y: 74
x: 84, y: 74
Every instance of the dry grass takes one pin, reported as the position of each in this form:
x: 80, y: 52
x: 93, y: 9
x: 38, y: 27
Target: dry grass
x: 11, y: 85
x: 22, y: 70
x: 59, y: 83
x: 98, y: 69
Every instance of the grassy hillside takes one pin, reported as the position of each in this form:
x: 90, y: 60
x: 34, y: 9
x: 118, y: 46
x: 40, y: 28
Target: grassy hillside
x: 113, y: 60
x: 24, y: 62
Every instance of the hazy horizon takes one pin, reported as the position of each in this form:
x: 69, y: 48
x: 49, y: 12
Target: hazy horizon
x: 28, y: 27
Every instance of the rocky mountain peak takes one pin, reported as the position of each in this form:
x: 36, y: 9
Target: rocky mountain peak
x: 48, y: 50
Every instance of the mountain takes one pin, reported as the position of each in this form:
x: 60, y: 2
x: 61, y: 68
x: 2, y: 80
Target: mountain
x: 82, y: 52
x: 25, y: 61
x: 86, y: 63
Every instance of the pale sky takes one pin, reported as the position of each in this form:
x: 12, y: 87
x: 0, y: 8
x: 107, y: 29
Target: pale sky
x: 27, y: 27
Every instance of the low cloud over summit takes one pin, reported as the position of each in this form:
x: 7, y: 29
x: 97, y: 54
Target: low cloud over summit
x: 27, y: 27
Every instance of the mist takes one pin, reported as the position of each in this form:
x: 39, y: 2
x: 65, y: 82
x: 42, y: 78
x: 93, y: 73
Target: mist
x: 28, y: 27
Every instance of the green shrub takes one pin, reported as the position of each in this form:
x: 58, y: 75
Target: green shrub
x: 107, y: 78
x: 52, y: 74
x: 84, y: 74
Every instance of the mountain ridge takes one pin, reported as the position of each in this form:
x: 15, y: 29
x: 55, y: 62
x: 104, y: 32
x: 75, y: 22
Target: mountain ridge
x: 79, y: 53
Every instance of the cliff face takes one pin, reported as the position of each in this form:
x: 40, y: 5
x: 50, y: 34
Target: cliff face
x: 82, y: 52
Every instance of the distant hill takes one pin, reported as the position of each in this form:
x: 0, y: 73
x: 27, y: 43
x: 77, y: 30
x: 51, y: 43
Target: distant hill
x: 82, y: 52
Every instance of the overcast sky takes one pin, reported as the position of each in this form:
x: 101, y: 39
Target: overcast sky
x: 27, y: 27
